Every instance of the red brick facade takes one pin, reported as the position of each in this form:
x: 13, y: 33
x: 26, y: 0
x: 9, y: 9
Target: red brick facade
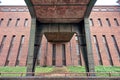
x: 14, y: 38
x: 9, y: 48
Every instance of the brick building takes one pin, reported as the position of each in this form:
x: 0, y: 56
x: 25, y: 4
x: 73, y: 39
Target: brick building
x: 15, y: 24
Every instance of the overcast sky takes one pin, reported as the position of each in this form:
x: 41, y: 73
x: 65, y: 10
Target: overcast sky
x: 21, y: 2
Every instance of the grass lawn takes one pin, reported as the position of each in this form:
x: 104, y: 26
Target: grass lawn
x: 74, y: 69
x: 70, y: 69
x: 13, y: 69
x: 107, y: 69
x: 44, y: 69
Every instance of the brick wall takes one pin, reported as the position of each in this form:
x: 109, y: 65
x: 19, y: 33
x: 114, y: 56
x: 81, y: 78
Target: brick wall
x: 45, y: 57
x: 17, y: 31
x: 108, y: 31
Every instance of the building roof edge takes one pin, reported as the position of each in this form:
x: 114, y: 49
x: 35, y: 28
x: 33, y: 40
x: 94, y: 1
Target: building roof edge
x: 106, y: 5
x: 13, y: 5
x: 25, y: 5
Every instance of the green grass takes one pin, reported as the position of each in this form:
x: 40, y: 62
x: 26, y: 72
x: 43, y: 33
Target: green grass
x: 44, y: 69
x: 76, y: 69
x: 13, y: 69
x: 70, y: 69
x: 107, y: 69
x: 73, y: 69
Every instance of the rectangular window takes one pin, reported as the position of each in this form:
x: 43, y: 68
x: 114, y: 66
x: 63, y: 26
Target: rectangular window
x: 20, y: 49
x: 26, y: 22
x: 107, y: 50
x: 17, y: 22
x: 108, y: 22
x: 53, y: 54
x: 1, y: 21
x: 99, y: 22
x: 116, y: 46
x: 9, y: 21
x: 78, y: 53
x: 9, y: 51
x: 2, y: 43
x: 39, y: 54
x: 97, y: 49
x: 63, y: 55
x: 116, y: 22
x: 91, y: 22
x: 77, y: 49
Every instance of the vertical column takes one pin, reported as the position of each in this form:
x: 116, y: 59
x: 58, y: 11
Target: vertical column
x: 31, y: 47
x: 68, y: 55
x: 38, y: 38
x: 58, y: 54
x: 90, y: 67
x: 86, y: 45
x: 43, y: 51
x: 49, y: 54
x: 74, y: 52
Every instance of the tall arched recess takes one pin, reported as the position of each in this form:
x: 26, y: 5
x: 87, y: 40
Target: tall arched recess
x: 60, y: 12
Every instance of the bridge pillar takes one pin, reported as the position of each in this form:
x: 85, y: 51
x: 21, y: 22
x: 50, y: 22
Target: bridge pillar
x: 31, y: 47
x: 86, y: 45
x: 34, y: 44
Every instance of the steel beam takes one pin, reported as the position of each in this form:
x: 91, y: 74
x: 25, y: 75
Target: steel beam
x: 86, y: 45
x: 89, y: 8
x: 31, y: 47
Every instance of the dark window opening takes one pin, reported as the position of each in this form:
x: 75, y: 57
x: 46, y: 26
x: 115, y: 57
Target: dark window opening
x: 63, y: 55
x: 91, y: 22
x: 99, y: 22
x: 54, y: 54
x: 107, y: 50
x: 79, y: 62
x: 1, y: 21
x: 39, y: 54
x: 9, y: 21
x: 116, y: 46
x: 97, y: 50
x: 9, y: 51
x: 17, y: 22
x: 20, y: 49
x: 78, y: 54
x: 7, y: 62
x: 116, y: 22
x: 108, y: 22
x: 17, y: 62
x: 2, y: 43
x: 26, y: 22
